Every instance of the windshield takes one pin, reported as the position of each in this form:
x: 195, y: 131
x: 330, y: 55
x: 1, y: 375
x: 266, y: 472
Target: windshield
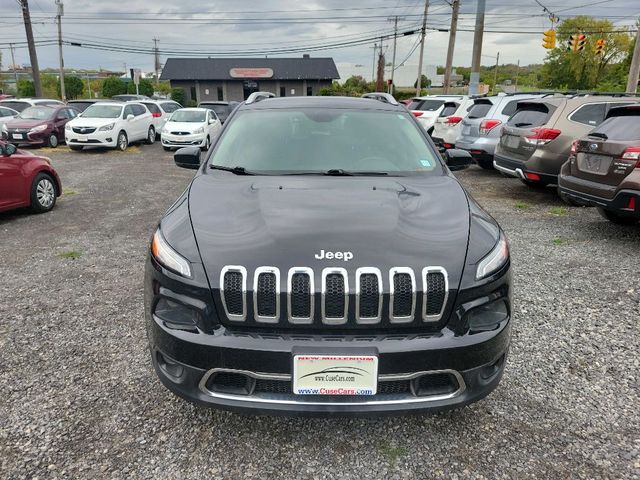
x: 190, y: 116
x: 37, y: 113
x: 425, y: 105
x: 17, y: 106
x: 318, y: 140
x: 219, y: 109
x: 102, y: 111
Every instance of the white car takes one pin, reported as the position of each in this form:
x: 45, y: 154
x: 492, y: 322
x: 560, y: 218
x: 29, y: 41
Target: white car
x: 190, y: 127
x: 448, y: 126
x: 6, y: 114
x: 426, y: 109
x: 161, y: 110
x: 110, y: 124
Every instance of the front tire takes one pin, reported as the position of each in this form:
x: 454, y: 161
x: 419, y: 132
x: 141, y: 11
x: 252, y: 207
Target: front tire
x: 123, y: 141
x: 52, y: 141
x: 207, y: 144
x: 485, y: 163
x: 43, y: 193
x: 151, y: 136
x: 616, y: 218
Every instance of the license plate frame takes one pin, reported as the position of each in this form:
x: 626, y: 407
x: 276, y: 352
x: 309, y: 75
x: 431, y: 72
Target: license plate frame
x: 335, y: 374
x: 589, y: 160
x: 82, y: 138
x: 17, y: 136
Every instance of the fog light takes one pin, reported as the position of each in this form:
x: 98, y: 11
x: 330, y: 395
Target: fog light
x: 176, y: 315
x: 487, y: 317
x: 171, y: 368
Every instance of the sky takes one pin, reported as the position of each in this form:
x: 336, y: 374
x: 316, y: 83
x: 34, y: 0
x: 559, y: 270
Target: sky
x: 202, y: 27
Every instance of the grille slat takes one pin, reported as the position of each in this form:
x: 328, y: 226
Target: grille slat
x: 233, y: 283
x: 403, y: 295
x: 435, y: 292
x: 266, y: 295
x: 368, y: 295
x: 300, y: 296
x: 335, y: 296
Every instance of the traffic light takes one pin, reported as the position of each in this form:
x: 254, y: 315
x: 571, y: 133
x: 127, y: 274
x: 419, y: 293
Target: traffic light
x: 549, y: 39
x: 599, y: 48
x: 577, y: 42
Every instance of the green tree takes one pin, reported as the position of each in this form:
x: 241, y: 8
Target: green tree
x: 26, y: 88
x: 73, y: 87
x: 178, y: 95
x: 424, y: 82
x: 164, y: 88
x: 145, y: 87
x: 584, y: 70
x: 113, y: 86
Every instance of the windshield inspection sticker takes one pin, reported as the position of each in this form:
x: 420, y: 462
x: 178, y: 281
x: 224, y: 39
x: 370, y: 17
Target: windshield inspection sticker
x: 426, y: 163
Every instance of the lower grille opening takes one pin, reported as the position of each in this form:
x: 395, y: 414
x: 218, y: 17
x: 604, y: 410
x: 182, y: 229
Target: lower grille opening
x: 285, y: 387
x: 435, y: 384
x: 230, y: 382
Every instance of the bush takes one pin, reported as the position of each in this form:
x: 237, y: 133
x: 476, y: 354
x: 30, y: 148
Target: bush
x: 144, y: 88
x: 73, y: 87
x: 26, y: 88
x: 192, y: 103
x: 113, y: 86
x: 177, y: 95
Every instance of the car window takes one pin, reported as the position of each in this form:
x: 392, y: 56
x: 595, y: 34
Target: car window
x: 626, y: 127
x: 531, y: 115
x: 449, y: 109
x: 425, y: 105
x: 214, y: 116
x: 6, y: 112
x: 17, y: 106
x: 153, y: 108
x: 317, y: 140
x: 72, y: 113
x: 480, y: 110
x: 128, y: 110
x: 589, y: 114
x: 38, y: 113
x: 170, y: 107
x: 63, y: 113
x: 138, y: 109
x: 80, y: 106
x: 510, y: 108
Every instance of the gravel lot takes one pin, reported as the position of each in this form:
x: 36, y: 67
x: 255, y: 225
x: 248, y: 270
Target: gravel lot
x: 80, y: 399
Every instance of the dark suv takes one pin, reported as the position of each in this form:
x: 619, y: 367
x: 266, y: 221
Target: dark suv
x: 324, y: 260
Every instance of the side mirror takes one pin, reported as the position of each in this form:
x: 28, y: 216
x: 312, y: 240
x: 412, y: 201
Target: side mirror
x: 130, y: 117
x: 188, y: 157
x: 457, y: 159
x: 8, y: 149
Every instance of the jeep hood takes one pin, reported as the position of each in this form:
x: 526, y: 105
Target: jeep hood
x: 284, y: 221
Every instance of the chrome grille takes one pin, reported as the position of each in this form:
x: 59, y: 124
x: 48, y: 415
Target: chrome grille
x: 368, y: 295
x: 335, y: 296
x: 233, y: 282
x: 301, y: 295
x: 402, y: 301
x: 435, y: 292
x: 83, y: 130
x: 266, y: 295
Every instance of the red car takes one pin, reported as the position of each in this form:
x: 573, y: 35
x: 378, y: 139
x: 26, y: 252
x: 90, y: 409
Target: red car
x: 26, y: 180
x: 39, y: 125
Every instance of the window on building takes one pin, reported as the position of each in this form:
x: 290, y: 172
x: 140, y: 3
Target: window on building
x: 309, y: 91
x: 283, y: 92
x: 220, y: 95
x: 193, y: 94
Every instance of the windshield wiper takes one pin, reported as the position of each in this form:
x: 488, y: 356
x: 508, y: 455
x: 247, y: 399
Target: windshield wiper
x: 522, y: 124
x: 235, y: 170
x: 598, y: 134
x: 339, y: 172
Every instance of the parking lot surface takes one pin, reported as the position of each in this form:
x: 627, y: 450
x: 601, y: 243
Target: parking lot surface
x: 80, y: 398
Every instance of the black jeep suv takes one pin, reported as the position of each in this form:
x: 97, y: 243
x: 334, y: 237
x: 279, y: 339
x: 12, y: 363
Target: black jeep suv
x: 324, y: 260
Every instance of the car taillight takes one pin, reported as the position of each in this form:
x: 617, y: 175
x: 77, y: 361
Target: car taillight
x: 574, y: 147
x: 488, y: 124
x: 156, y: 114
x: 542, y: 136
x: 632, y: 153
x: 416, y: 113
x: 453, y: 120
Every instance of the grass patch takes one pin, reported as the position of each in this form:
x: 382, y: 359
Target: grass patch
x: 392, y: 454
x: 69, y: 192
x: 522, y: 206
x: 558, y: 211
x: 560, y: 241
x: 70, y: 254
x: 131, y: 149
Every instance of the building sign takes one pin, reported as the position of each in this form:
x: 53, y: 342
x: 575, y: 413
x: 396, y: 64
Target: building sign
x: 251, y: 73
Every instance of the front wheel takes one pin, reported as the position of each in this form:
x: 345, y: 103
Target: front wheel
x: 616, y: 218
x: 207, y: 144
x: 52, y: 141
x: 123, y: 142
x: 43, y: 193
x: 151, y: 136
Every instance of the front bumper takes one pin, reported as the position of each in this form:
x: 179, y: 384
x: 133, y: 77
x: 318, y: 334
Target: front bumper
x: 28, y: 138
x: 195, y: 140
x: 97, y: 138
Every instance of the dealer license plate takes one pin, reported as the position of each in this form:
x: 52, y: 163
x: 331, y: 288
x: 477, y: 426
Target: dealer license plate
x: 18, y: 136
x: 511, y: 141
x: 82, y: 138
x: 335, y: 374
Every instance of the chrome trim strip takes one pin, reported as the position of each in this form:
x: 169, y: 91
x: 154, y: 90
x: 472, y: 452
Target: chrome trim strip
x: 284, y: 377
x: 266, y: 318
x: 392, y: 273
x: 243, y: 272
x: 512, y: 173
x: 359, y: 273
x: 425, y: 271
x: 312, y: 295
x: 335, y: 320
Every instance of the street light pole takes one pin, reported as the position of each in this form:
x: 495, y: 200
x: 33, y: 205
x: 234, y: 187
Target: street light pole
x: 452, y: 44
x: 422, y: 34
x: 60, y: 5
x: 634, y: 70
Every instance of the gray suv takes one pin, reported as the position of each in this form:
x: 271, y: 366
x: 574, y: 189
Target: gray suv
x: 482, y: 126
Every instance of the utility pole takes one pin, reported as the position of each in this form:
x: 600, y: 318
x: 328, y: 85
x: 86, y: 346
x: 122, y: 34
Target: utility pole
x: 373, y: 64
x: 474, y: 79
x: 156, y: 59
x: 517, y: 75
x: 380, y: 73
x: 60, y: 5
x: 452, y: 44
x: 495, y: 74
x: 13, y: 64
x: 395, y: 40
x: 33, y: 57
x: 422, y: 35
x: 634, y: 70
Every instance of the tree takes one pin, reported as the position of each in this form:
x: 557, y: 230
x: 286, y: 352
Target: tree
x: 424, y: 82
x: 178, y: 95
x: 145, y: 87
x: 49, y: 84
x: 584, y: 70
x: 164, y: 88
x: 73, y: 87
x: 26, y: 88
x: 113, y: 86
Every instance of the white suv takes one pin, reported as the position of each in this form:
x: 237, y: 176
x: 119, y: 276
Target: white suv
x: 448, y: 125
x: 161, y: 110
x: 110, y: 124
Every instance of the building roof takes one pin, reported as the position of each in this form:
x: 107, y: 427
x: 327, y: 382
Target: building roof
x: 300, y: 68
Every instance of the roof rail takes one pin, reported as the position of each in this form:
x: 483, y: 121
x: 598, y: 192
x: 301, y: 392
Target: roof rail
x: 381, y: 97
x: 258, y: 96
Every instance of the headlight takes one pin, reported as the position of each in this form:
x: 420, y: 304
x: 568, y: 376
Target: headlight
x: 165, y: 130
x: 4, y: 128
x: 168, y: 257
x: 200, y: 130
x: 106, y: 128
x: 67, y: 127
x: 495, y: 260
x: 39, y: 128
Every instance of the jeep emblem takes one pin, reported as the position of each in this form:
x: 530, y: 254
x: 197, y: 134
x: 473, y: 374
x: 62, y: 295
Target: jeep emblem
x: 344, y: 256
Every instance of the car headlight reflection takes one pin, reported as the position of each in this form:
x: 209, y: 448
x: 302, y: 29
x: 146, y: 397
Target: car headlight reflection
x: 168, y: 257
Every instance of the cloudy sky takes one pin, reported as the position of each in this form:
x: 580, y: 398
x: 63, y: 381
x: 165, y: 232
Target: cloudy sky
x: 122, y: 31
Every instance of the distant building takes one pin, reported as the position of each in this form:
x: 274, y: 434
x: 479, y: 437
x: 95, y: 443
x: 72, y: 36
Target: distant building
x: 405, y: 75
x: 236, y: 78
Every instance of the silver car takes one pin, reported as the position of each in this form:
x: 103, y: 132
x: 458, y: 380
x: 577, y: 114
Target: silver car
x: 481, y: 127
